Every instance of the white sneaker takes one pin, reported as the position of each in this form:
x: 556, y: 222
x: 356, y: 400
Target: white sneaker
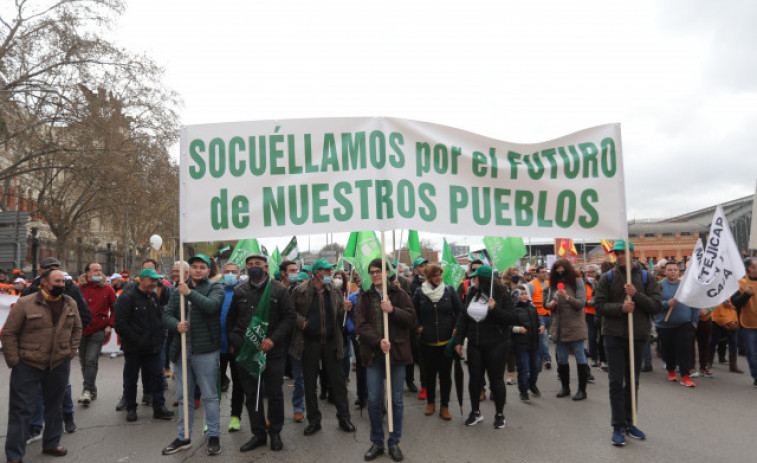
x: 695, y: 374
x: 34, y: 437
x: 86, y: 398
x: 474, y: 418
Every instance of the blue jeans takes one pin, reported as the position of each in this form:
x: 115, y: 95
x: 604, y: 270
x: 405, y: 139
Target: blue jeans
x: 203, y: 370
x: 546, y: 320
x: 528, y: 363
x: 562, y: 352
x: 26, y: 384
x: 298, y: 395
x: 749, y: 337
x: 375, y: 376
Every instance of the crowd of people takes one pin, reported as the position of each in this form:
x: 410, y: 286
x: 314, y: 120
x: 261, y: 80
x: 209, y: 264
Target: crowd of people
x: 324, y: 324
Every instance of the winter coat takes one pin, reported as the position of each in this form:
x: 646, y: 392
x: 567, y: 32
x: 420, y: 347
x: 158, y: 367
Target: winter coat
x: 100, y: 298
x: 30, y: 337
x: 568, y: 319
x: 204, y: 314
x: 526, y: 316
x: 302, y: 301
x: 71, y: 290
x: 610, y: 295
x: 437, y: 318
x: 401, y: 322
x: 139, y: 321
x: 494, y: 328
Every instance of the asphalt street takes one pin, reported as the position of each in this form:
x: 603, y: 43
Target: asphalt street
x: 715, y: 421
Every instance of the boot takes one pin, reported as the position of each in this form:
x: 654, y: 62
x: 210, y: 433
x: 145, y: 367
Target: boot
x: 734, y: 367
x: 583, y: 378
x: 564, y: 372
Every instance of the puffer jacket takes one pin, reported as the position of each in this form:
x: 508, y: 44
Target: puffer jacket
x: 568, y: 319
x: 100, y: 298
x: 527, y: 317
x: 205, y: 300
x: 610, y: 295
x: 29, y: 335
x: 302, y: 300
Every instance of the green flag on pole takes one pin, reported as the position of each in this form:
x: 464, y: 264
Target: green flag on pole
x: 362, y: 248
x: 243, y: 249
x: 339, y: 265
x: 275, y: 260
x: 250, y: 357
x: 413, y: 245
x: 504, y: 252
x: 291, y: 251
x: 224, y: 249
x: 453, y: 272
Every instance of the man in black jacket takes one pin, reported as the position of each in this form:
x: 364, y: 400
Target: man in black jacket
x: 138, y: 322
x: 280, y: 323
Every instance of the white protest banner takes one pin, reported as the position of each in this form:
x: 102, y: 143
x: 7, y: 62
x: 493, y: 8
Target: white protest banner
x: 714, y: 272
x: 309, y: 176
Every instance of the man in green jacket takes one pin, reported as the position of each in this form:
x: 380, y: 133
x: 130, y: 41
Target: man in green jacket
x: 203, y: 331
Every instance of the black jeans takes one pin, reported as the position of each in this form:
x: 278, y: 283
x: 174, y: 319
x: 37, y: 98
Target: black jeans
x: 237, y: 394
x: 271, y: 381
x: 24, y: 388
x: 151, y: 366
x: 435, y: 362
x: 676, y: 347
x: 314, y: 354
x: 619, y: 376
x: 417, y: 360
x: 491, y: 358
x: 362, y: 387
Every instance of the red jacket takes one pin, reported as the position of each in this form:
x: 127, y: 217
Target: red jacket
x: 100, y: 297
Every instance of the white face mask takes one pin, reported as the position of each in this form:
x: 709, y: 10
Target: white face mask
x: 336, y: 283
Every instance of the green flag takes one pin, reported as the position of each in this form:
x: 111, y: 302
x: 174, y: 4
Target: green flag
x: 291, y: 251
x: 504, y: 252
x: 339, y: 265
x: 224, y: 249
x: 413, y: 245
x: 243, y: 249
x: 250, y: 357
x: 453, y: 272
x: 275, y: 260
x: 362, y: 248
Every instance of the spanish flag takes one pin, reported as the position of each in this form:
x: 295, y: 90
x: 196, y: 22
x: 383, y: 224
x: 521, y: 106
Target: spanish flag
x: 608, y: 250
x: 567, y: 248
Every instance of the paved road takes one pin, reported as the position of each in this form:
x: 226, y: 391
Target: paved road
x: 716, y: 420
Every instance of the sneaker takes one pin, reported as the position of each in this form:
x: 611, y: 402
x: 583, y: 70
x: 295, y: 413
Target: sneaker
x: 197, y: 404
x: 234, y: 424
x: 535, y: 391
x: 176, y: 446
x: 694, y: 374
x: 86, y: 398
x: 510, y: 381
x: 603, y: 367
x: 706, y: 373
x: 214, y: 446
x: 686, y: 381
x: 205, y: 429
x: 68, y: 423
x: 34, y: 436
x: 474, y: 418
x: 524, y: 396
x: 672, y: 376
x: 499, y: 421
x: 422, y: 394
x: 633, y: 431
x: 618, y: 437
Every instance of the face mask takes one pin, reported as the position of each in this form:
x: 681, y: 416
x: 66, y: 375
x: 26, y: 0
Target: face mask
x: 337, y: 283
x: 96, y: 278
x: 255, y: 273
x: 515, y: 278
x: 560, y: 274
x: 230, y: 279
x: 292, y: 278
x: 155, y: 290
x: 472, y: 284
x: 421, y: 277
x: 56, y: 291
x: 591, y: 279
x: 326, y: 279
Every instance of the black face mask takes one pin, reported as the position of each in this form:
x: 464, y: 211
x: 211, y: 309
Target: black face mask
x: 255, y: 273
x: 56, y: 291
x: 560, y: 274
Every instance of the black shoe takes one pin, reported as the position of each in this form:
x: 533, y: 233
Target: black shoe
x: 214, y: 446
x: 524, y: 395
x: 121, y: 405
x: 360, y: 403
x: 68, y: 423
x: 176, y: 446
x: 535, y: 391
x: 255, y: 442
x: 594, y: 363
x: 646, y: 368
x: 276, y: 443
x: 58, y: 451
x: 548, y: 365
x: 312, y: 428
x: 373, y: 452
x: 580, y: 395
x: 162, y: 414
x: 395, y: 453
x: 146, y: 399
x: 346, y: 425
x: 412, y: 388
x: 131, y: 415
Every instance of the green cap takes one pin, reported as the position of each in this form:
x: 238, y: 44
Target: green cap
x: 302, y: 276
x: 149, y: 273
x: 419, y: 261
x: 482, y: 271
x: 276, y: 273
x: 322, y: 264
x: 306, y: 268
x: 620, y: 245
x: 201, y: 257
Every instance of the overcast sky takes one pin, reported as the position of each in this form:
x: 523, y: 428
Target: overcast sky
x: 678, y: 75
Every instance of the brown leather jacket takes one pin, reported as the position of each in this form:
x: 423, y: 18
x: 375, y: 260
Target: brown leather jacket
x: 401, y: 322
x: 30, y: 337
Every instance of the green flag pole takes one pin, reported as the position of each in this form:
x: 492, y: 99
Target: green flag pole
x: 387, y: 361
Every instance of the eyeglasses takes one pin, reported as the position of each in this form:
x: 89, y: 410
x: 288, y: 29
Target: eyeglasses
x: 375, y: 272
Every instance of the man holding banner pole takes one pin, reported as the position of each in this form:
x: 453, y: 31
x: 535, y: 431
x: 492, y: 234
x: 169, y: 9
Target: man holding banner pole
x: 383, y: 325
x: 627, y: 309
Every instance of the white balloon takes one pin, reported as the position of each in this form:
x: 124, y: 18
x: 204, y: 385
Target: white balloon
x: 156, y: 242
